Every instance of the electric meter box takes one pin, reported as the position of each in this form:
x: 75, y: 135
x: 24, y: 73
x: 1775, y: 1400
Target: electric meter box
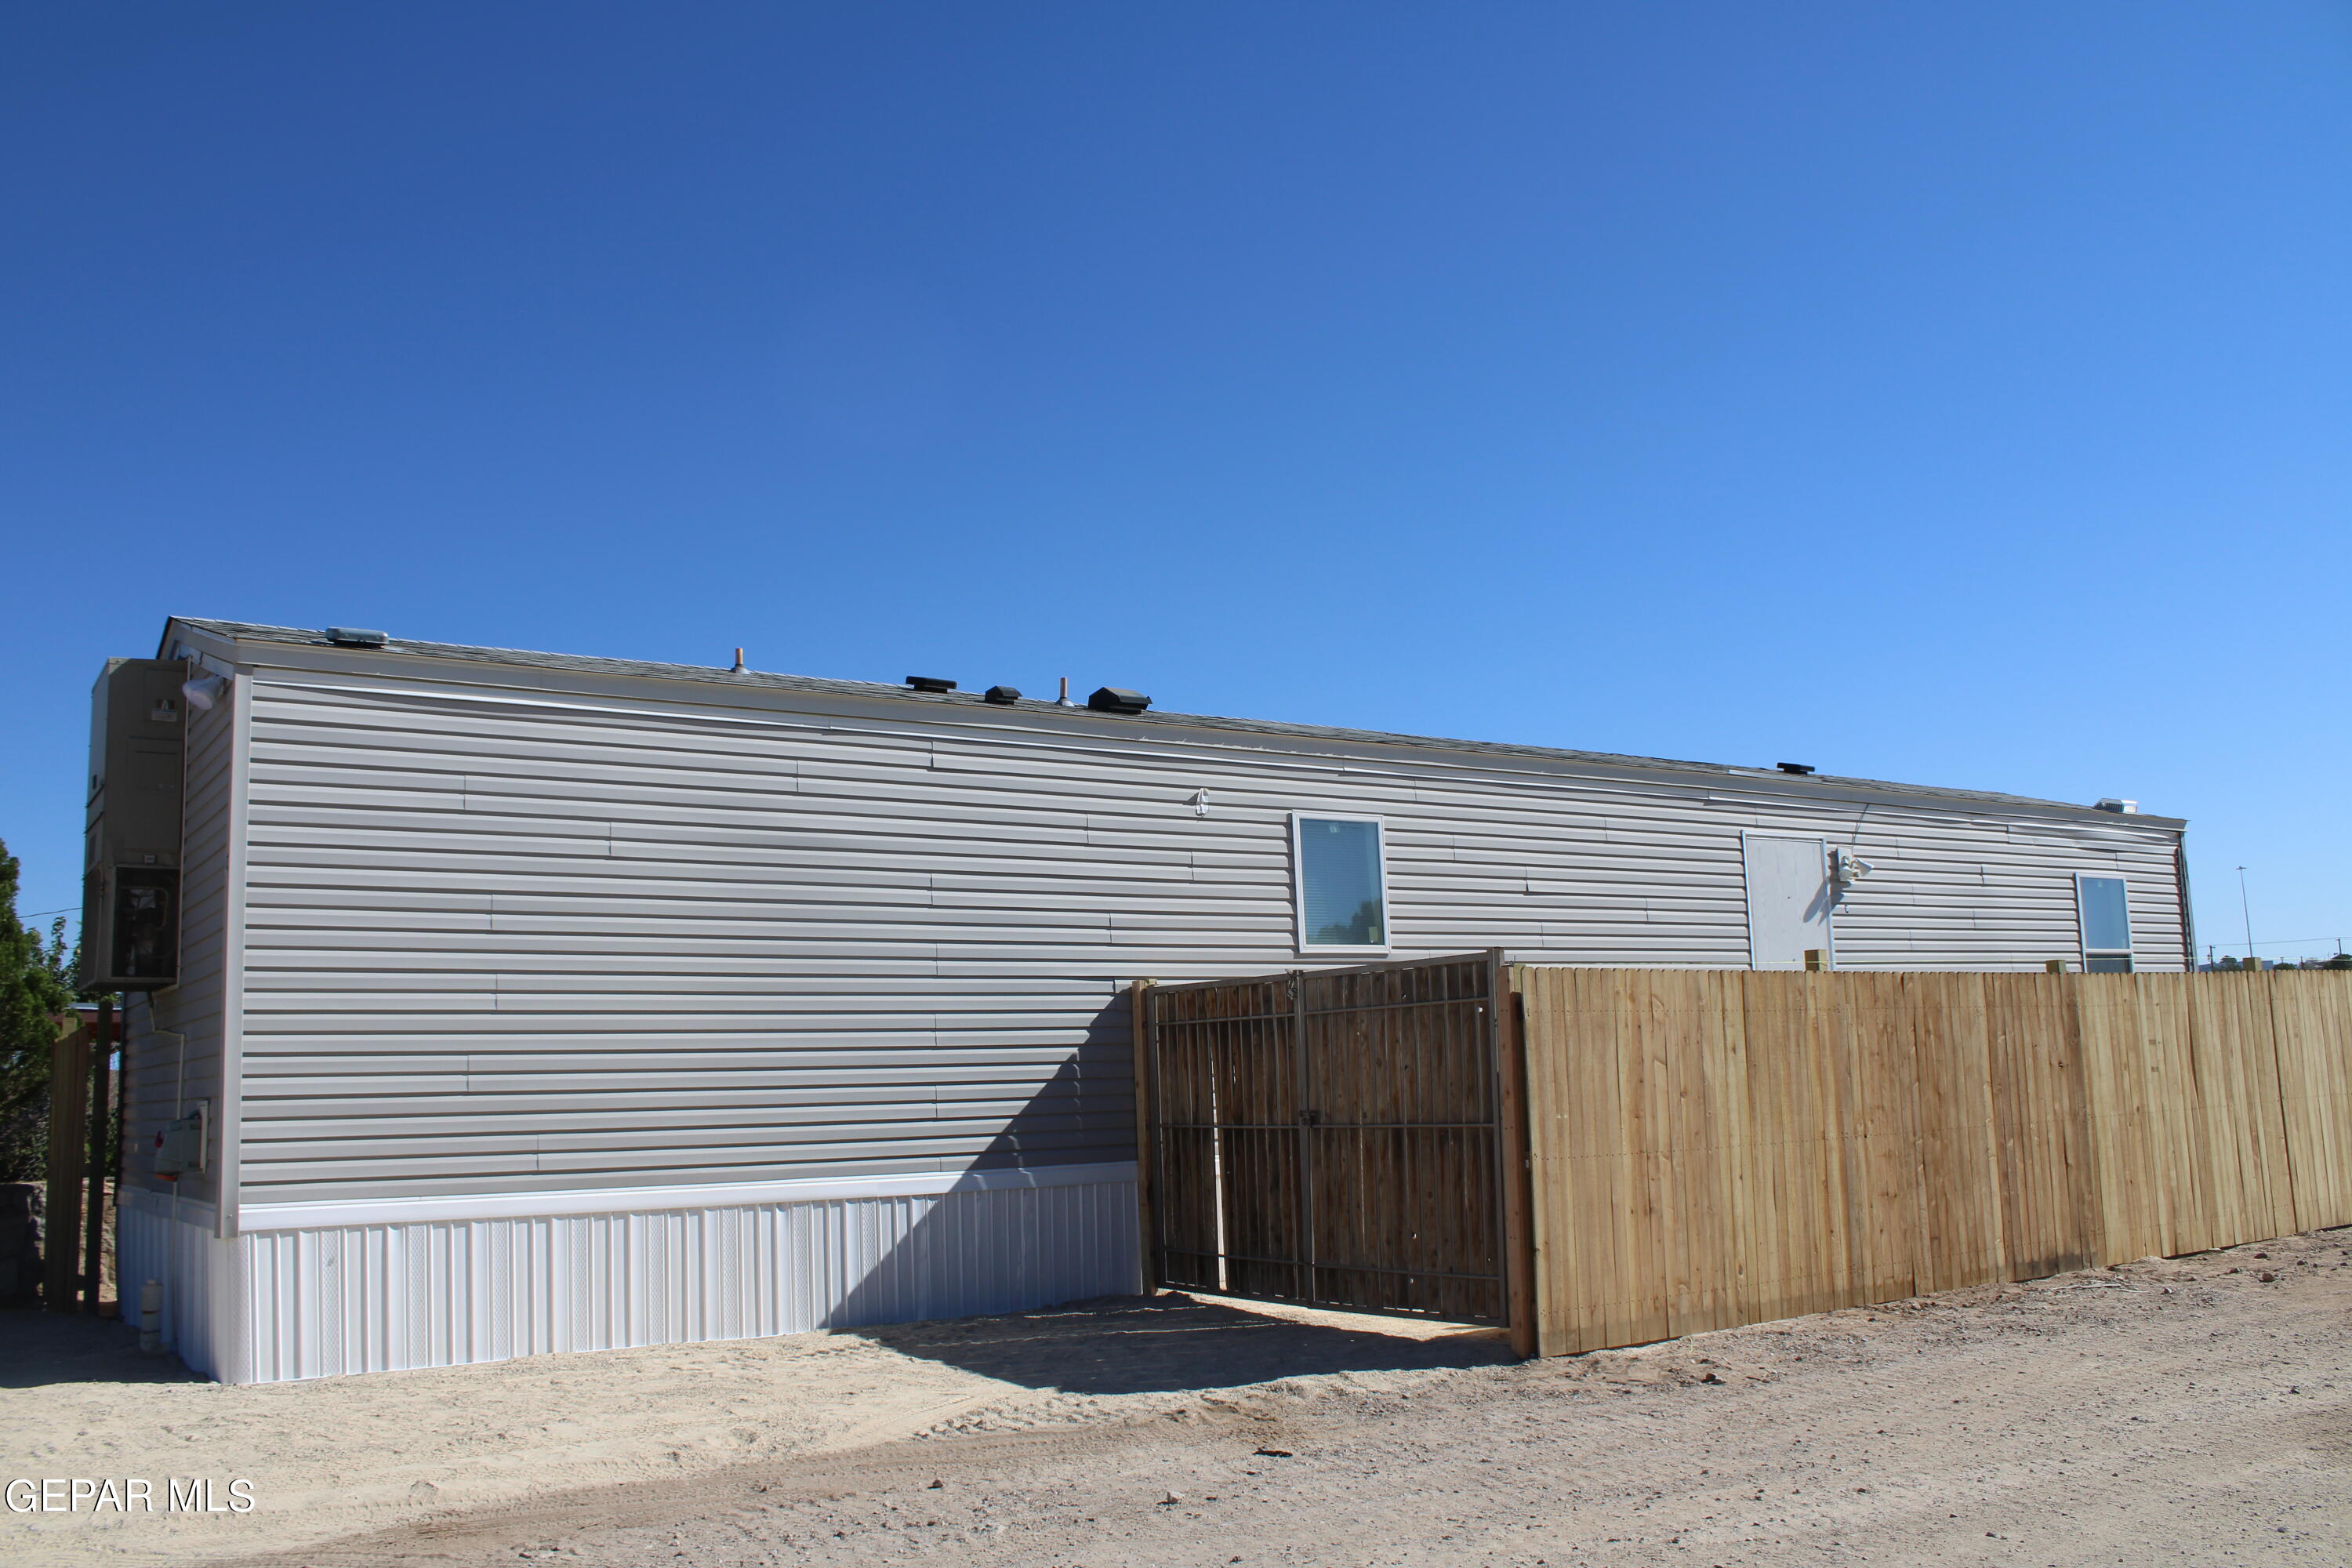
x: 130, y: 873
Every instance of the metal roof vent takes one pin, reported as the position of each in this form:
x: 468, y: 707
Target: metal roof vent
x: 929, y: 683
x: 1004, y: 696
x: 2123, y: 807
x: 353, y: 637
x: 1117, y: 700
x: 1799, y: 769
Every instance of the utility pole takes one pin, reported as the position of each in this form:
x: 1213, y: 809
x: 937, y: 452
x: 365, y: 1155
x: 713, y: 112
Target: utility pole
x: 2248, y: 911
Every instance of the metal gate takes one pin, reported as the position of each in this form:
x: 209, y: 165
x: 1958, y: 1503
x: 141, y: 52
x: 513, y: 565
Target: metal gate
x: 1330, y: 1137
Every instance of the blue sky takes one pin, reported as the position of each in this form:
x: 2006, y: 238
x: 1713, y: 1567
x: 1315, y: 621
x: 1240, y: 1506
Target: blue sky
x: 1948, y: 393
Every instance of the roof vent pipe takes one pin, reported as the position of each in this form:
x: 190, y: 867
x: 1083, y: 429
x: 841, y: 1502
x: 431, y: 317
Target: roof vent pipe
x: 738, y: 662
x: 1064, y: 700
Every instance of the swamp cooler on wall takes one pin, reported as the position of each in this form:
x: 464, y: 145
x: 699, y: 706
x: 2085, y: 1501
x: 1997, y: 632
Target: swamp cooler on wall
x: 130, y: 875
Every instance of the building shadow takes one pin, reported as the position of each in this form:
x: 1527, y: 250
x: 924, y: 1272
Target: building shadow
x: 1174, y: 1343
x: 1024, y: 1234
x: 38, y: 1348
x: 1046, y: 1301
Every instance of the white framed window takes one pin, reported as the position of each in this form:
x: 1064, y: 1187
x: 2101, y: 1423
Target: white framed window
x: 1339, y: 884
x: 2103, y: 911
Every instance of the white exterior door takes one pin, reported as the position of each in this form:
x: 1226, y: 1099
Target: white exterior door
x: 1789, y: 899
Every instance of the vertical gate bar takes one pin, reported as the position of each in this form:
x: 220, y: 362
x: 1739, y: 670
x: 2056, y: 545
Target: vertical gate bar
x: 1417, y: 1043
x: 1226, y: 1043
x: 1487, y: 1052
x: 1151, y: 1150
x: 1301, y: 1109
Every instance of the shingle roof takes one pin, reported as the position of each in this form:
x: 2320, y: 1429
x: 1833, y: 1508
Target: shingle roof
x: 247, y: 632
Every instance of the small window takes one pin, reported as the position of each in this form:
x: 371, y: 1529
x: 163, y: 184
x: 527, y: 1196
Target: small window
x: 2105, y: 915
x: 1342, y: 895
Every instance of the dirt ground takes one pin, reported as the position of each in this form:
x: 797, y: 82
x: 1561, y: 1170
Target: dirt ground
x: 2191, y: 1411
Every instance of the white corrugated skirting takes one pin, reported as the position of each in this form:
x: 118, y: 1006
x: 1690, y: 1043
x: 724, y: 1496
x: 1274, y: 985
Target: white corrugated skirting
x: 199, y: 1273
x: 382, y: 1296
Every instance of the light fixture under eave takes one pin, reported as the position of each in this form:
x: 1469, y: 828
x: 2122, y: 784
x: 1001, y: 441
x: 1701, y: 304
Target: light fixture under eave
x: 204, y: 690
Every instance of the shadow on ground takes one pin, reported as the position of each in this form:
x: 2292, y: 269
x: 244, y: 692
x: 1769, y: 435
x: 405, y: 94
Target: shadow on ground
x: 38, y: 1348
x: 1160, y: 1344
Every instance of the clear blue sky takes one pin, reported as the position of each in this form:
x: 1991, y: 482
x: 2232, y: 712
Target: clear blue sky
x: 1948, y: 394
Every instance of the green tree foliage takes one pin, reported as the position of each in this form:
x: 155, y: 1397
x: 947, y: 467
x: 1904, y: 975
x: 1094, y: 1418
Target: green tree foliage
x: 35, y: 988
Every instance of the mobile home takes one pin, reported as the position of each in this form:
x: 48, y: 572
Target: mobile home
x: 496, y: 1002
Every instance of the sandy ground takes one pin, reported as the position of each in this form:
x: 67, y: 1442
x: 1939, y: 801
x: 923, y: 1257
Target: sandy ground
x: 2187, y: 1411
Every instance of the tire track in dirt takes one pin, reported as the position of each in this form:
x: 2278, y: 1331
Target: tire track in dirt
x: 2163, y: 1413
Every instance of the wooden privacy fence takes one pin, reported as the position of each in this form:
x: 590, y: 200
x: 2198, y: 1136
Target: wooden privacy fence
x: 1332, y: 1137
x: 1711, y: 1148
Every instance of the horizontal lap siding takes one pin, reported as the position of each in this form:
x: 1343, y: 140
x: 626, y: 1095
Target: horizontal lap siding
x: 531, y: 951
x: 531, y: 945
x: 156, y: 1078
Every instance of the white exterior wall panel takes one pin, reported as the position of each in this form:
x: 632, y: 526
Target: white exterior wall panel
x: 173, y: 1243
x: 327, y: 1299
x: 553, y: 941
x: 172, y: 1039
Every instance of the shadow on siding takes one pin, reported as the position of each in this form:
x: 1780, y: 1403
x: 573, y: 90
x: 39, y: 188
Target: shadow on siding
x: 1014, y: 1248
x: 1055, y: 1269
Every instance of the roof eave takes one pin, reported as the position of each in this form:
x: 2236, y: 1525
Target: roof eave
x: 1715, y: 774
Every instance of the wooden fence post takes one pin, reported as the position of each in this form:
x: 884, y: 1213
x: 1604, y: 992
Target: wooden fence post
x: 1519, y: 1207
x: 69, y: 1151
x: 102, y: 1129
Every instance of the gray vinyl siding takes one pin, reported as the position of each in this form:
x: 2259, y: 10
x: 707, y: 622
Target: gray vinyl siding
x: 157, y: 1084
x: 589, y: 932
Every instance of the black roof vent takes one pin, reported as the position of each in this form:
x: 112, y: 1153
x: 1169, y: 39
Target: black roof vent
x: 352, y: 637
x: 1117, y: 700
x: 929, y: 683
x: 1005, y: 695
x: 1801, y: 769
